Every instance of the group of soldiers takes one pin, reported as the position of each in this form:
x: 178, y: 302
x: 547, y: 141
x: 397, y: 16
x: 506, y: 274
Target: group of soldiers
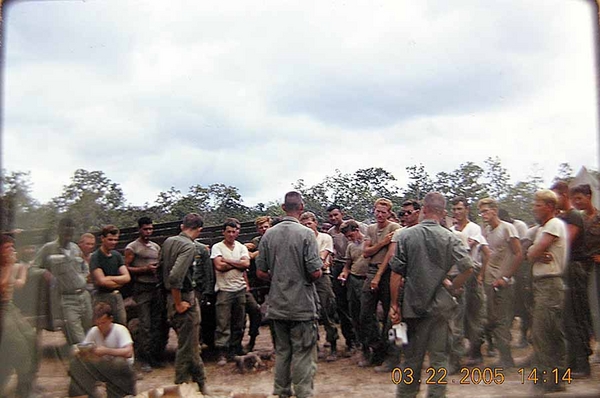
x: 450, y: 281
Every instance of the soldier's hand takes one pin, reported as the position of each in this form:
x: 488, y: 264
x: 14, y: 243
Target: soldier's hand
x: 375, y: 282
x: 480, y: 279
x: 394, y: 314
x: 182, y: 307
x: 388, y: 238
x: 546, y: 258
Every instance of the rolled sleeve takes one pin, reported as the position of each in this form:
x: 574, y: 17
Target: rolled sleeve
x: 312, y: 261
x: 460, y: 256
x: 261, y: 259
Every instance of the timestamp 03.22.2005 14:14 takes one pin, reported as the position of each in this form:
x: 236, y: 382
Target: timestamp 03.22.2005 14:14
x: 480, y: 376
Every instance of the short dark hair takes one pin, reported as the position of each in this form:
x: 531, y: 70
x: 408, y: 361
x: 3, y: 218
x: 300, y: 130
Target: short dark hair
x: 66, y: 222
x: 231, y: 222
x: 101, y: 309
x: 459, y: 199
x: 584, y: 189
x: 144, y: 221
x: 6, y: 238
x: 292, y: 201
x: 348, y: 226
x: 561, y: 187
x: 333, y: 207
x: 192, y: 221
x: 109, y: 230
x: 436, y: 202
x: 412, y: 202
x: 504, y: 215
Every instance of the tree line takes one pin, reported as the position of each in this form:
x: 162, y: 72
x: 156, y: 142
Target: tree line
x: 92, y: 199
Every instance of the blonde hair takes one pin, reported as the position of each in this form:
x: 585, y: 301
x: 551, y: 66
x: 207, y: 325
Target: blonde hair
x: 308, y: 214
x: 261, y: 220
x: 87, y: 235
x: 384, y: 202
x: 547, y: 196
x: 489, y: 202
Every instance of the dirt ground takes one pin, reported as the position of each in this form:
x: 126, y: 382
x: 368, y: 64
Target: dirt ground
x: 342, y: 378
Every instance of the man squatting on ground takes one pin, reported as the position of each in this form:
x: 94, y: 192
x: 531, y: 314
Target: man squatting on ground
x: 289, y: 258
x: 177, y: 261
x: 424, y: 255
x: 231, y: 260
x: 106, y: 354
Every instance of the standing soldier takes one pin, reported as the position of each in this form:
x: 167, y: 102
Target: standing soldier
x: 504, y: 262
x: 323, y: 284
x: 424, y: 255
x: 110, y: 273
x: 289, y: 257
x: 231, y: 260
x: 177, y: 260
x: 141, y: 259
x: 340, y: 243
x: 377, y: 285
x: 548, y: 254
x: 64, y: 260
x: 468, y: 321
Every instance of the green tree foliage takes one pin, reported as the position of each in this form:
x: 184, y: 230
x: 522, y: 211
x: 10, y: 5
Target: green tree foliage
x: 215, y: 202
x: 93, y: 200
x: 496, y: 178
x: 466, y: 180
x: 17, y: 204
x: 355, y: 192
x: 565, y: 173
x: 420, y: 183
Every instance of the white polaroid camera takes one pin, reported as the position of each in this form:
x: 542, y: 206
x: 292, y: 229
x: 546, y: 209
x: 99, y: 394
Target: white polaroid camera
x: 398, y: 335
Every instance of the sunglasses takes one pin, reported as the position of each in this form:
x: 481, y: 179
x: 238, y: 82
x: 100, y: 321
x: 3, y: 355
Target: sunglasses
x: 407, y: 212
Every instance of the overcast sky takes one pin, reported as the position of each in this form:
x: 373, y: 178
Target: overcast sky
x: 259, y: 94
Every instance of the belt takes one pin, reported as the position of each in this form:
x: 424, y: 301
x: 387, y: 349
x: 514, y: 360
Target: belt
x: 538, y: 278
x: 363, y: 277
x: 108, y: 292
x: 73, y: 292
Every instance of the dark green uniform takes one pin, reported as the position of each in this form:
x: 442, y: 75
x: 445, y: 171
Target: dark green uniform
x: 177, y: 261
x: 424, y: 255
x: 68, y: 267
x: 289, y: 252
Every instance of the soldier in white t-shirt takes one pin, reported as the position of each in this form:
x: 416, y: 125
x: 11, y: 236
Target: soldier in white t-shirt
x: 106, y: 354
x: 548, y: 254
x: 230, y: 259
x: 470, y: 311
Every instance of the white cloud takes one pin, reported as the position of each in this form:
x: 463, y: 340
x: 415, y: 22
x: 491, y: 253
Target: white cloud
x: 259, y: 95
